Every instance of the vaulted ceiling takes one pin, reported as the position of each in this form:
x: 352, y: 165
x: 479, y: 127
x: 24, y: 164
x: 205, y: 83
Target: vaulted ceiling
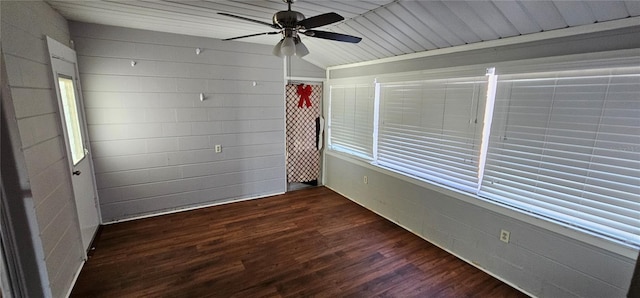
x: 388, y: 27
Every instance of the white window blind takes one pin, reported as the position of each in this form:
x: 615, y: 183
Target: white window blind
x: 432, y: 128
x: 351, y: 108
x: 566, y: 145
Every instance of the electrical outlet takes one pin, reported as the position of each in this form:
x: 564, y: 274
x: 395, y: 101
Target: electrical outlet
x: 365, y: 180
x: 218, y: 148
x: 504, y: 236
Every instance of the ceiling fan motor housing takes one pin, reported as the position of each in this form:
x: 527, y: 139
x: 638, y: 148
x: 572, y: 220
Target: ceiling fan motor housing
x: 287, y: 18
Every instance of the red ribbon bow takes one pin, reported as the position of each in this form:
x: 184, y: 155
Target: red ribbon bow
x: 304, y: 92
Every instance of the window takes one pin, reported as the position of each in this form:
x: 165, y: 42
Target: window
x: 566, y: 144
x: 432, y: 129
x: 351, y: 115
x: 558, y: 140
x: 72, y: 123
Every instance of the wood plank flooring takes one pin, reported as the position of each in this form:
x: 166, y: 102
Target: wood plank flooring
x: 310, y: 242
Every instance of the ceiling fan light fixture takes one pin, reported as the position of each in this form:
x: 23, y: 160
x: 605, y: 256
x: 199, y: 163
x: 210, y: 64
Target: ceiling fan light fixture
x: 277, y: 50
x: 288, y: 47
x: 301, y: 49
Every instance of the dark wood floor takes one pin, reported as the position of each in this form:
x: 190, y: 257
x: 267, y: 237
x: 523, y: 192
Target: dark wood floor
x: 310, y: 242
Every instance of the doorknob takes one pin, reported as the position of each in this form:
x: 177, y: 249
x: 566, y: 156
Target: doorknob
x: 77, y: 173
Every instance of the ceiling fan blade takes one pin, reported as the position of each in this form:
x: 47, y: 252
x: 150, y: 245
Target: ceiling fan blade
x: 321, y: 20
x: 251, y: 35
x: 250, y: 20
x: 332, y: 36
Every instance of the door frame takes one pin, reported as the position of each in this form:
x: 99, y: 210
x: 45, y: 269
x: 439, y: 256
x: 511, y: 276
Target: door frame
x: 307, y: 81
x: 61, y: 52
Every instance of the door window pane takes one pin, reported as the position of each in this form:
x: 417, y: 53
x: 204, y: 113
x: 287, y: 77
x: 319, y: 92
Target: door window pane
x: 71, y: 119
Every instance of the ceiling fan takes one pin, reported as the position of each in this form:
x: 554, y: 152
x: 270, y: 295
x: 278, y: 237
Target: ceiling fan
x: 291, y: 24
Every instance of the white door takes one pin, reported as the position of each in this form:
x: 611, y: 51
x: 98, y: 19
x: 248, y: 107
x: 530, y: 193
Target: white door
x: 65, y: 75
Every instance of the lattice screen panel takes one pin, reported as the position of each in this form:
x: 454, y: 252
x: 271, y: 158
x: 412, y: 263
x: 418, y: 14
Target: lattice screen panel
x: 303, y: 156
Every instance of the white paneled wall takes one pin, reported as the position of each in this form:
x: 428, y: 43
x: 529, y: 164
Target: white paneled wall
x: 298, y: 68
x: 24, y: 26
x: 154, y: 140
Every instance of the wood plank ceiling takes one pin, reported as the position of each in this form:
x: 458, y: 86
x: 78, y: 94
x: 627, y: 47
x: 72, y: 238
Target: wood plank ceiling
x: 388, y: 27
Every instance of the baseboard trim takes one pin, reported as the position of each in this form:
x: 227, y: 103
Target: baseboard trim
x: 177, y: 210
